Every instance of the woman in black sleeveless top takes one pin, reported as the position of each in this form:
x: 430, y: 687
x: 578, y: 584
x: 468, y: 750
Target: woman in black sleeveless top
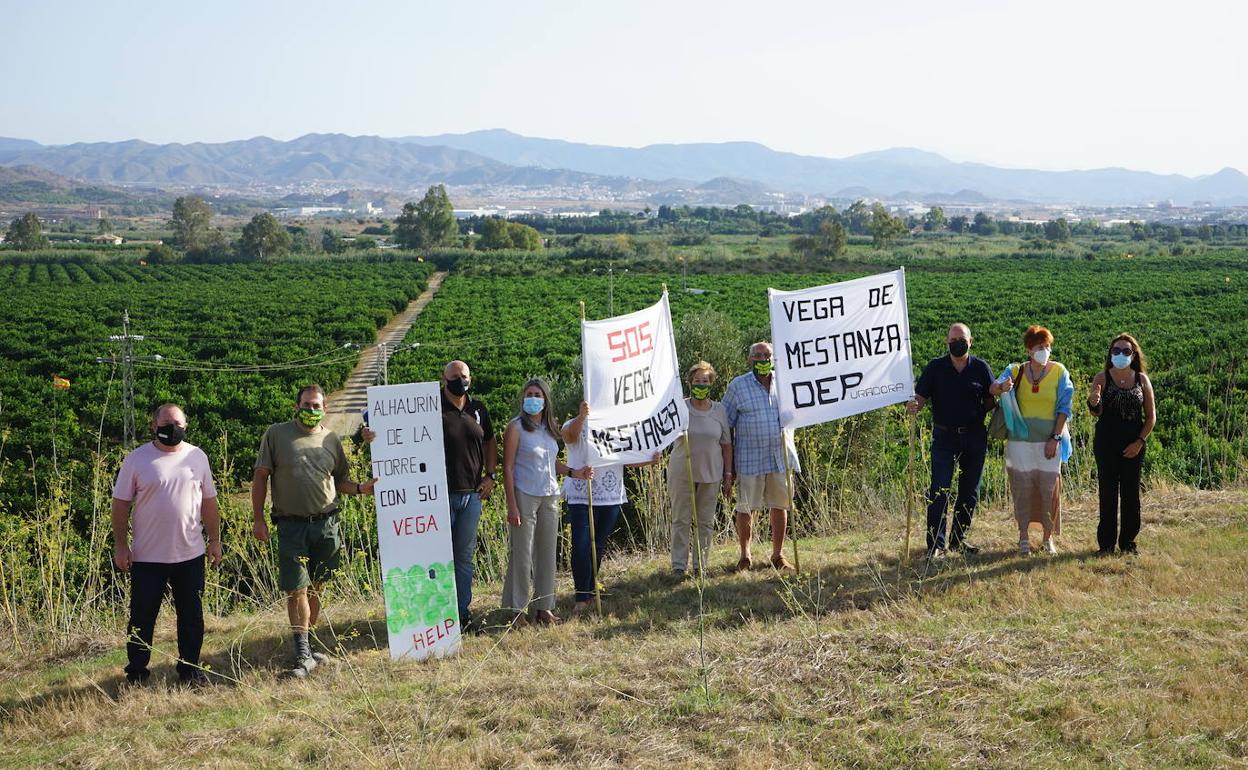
x: 1122, y: 400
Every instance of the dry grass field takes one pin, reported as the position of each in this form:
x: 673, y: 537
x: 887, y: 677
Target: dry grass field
x: 1063, y: 661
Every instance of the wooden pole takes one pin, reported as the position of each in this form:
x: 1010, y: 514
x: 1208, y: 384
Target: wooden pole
x: 788, y: 483
x: 693, y: 501
x: 593, y: 535
x: 905, y: 555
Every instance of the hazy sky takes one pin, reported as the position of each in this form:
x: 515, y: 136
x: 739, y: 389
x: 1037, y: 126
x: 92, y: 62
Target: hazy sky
x: 1158, y: 86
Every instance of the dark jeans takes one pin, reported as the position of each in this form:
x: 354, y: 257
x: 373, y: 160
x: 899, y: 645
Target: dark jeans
x: 148, y: 582
x: 605, y: 517
x: 465, y: 516
x: 965, y: 451
x: 1118, y: 478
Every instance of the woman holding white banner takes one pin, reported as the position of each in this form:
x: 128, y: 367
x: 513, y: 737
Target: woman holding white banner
x: 706, y: 456
x: 531, y: 471
x: 609, y: 497
x: 1045, y: 397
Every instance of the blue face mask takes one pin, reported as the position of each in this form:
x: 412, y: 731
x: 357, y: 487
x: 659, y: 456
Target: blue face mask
x: 1120, y: 360
x: 534, y: 406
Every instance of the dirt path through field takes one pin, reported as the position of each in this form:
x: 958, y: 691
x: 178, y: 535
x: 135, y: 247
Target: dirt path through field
x: 343, y: 406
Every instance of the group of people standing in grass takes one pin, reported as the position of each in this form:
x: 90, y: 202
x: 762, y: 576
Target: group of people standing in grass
x: 164, y: 499
x: 1036, y: 398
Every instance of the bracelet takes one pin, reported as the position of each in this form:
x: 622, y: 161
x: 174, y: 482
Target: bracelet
x: 1142, y: 440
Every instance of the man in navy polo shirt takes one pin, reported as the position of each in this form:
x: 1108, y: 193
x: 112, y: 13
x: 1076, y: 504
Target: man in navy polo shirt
x: 957, y: 385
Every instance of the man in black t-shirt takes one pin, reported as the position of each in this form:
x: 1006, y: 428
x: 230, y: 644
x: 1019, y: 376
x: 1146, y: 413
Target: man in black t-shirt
x: 957, y: 385
x: 471, y: 452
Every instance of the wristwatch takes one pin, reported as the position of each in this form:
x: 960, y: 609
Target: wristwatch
x: 490, y: 476
x: 1055, y: 437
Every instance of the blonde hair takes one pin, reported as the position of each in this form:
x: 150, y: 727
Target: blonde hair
x: 700, y: 367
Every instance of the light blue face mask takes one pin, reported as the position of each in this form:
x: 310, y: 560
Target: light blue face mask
x: 534, y: 405
x: 1120, y: 360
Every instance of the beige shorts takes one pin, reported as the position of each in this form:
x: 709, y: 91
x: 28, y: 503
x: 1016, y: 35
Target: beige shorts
x: 761, y: 492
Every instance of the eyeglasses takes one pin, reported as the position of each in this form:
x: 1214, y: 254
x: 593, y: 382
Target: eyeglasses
x: 1120, y: 351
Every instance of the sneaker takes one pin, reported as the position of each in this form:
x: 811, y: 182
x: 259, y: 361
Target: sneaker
x: 936, y: 554
x: 1050, y: 547
x: 966, y: 549
x: 320, y: 657
x: 1024, y: 548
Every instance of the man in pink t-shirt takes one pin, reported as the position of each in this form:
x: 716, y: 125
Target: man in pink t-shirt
x: 169, y: 485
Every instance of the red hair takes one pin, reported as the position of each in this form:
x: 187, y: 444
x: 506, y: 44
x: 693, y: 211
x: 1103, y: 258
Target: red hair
x: 1037, y: 335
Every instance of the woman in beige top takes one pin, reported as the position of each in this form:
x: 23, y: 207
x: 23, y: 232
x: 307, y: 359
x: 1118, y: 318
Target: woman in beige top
x: 707, y: 449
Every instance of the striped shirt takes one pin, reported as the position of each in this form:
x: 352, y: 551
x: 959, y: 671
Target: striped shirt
x: 754, y: 413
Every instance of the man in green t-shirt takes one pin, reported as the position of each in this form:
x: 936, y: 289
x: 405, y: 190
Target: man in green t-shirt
x: 309, y: 471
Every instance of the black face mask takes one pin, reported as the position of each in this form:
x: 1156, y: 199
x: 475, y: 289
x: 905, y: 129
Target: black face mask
x: 458, y: 386
x: 171, y: 434
x: 958, y: 347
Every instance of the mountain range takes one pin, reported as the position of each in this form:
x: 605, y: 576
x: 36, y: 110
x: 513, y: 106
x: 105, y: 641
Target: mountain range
x: 730, y: 172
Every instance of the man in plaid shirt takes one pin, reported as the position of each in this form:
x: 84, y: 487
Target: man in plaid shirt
x: 753, y: 413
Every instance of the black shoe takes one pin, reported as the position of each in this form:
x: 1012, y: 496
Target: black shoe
x: 966, y: 549
x: 473, y: 626
x: 1129, y: 550
x: 195, y: 678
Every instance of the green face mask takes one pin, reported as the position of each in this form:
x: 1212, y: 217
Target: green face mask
x: 700, y: 392
x: 762, y: 368
x: 310, y: 418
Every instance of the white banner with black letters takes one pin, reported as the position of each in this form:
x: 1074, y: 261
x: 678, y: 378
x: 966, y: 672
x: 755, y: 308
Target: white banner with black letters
x: 841, y: 349
x: 413, y: 520
x: 636, y: 406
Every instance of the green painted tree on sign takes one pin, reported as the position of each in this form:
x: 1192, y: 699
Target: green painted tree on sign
x: 420, y: 596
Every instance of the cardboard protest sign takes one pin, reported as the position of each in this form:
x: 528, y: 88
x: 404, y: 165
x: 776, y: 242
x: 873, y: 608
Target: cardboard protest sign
x: 841, y: 349
x: 636, y: 406
x: 413, y: 520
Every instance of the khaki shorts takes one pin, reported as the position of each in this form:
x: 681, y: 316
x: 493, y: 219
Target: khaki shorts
x: 761, y: 492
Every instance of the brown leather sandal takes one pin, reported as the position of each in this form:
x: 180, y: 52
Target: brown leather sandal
x: 744, y: 564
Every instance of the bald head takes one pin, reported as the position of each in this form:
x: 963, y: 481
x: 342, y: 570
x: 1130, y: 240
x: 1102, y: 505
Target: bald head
x: 455, y: 369
x: 958, y: 330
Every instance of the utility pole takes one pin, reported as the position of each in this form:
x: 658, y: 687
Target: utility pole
x: 384, y: 352
x: 126, y: 359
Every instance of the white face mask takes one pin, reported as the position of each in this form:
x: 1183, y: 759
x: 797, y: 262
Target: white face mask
x: 1040, y: 356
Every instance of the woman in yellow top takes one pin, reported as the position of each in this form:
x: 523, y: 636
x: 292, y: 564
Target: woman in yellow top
x: 1045, y: 397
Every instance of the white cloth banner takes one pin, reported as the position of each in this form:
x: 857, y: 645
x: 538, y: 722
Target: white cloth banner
x: 636, y: 406
x: 841, y: 349
x: 414, y: 520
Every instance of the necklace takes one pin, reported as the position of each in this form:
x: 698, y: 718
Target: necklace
x: 1035, y: 381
